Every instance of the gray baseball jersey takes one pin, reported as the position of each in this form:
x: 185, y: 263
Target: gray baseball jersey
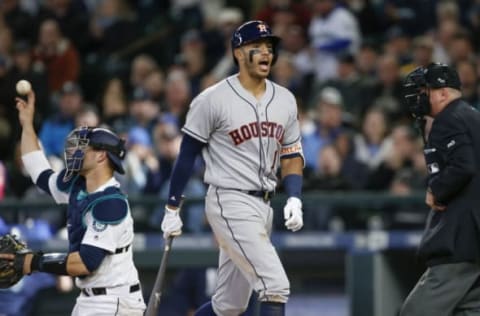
x: 245, y: 137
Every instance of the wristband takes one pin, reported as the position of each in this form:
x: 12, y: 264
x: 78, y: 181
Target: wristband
x: 293, y: 185
x: 55, y: 263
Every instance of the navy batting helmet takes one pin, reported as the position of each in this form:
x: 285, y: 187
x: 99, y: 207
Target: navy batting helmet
x: 253, y: 31
x: 97, y: 138
x: 433, y: 76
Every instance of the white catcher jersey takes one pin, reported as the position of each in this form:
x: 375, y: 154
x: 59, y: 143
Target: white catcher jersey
x: 115, y: 269
x: 245, y: 137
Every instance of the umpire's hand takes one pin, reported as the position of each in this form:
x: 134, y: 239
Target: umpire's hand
x: 432, y: 203
x: 293, y: 214
x: 171, y: 223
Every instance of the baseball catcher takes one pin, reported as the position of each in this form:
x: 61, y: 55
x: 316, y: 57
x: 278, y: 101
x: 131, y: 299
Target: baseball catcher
x: 99, y: 221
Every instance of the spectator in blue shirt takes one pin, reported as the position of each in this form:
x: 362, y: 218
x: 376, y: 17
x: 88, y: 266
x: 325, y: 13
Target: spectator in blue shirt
x: 56, y: 128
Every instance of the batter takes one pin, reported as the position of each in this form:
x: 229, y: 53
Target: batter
x: 246, y: 127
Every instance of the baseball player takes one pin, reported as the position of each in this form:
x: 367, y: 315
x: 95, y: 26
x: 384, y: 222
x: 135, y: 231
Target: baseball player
x: 99, y: 223
x: 245, y: 126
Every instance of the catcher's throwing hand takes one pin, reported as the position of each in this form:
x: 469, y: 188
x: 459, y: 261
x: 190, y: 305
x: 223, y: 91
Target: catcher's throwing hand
x: 293, y: 214
x: 26, y: 109
x: 171, y: 223
x: 12, y: 260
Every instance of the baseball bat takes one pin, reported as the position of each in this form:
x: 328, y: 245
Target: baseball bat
x: 154, y: 301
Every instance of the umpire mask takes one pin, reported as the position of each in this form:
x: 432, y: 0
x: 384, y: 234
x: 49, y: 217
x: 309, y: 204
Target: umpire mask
x: 415, y: 93
x: 417, y: 83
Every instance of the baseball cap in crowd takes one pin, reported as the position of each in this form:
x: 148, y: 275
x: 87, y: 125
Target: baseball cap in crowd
x: 167, y: 118
x: 138, y: 136
x: 170, y: 123
x: 70, y: 87
x: 331, y: 96
x: 140, y: 94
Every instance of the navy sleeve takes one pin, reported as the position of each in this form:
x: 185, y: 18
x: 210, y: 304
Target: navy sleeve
x: 65, y: 186
x: 293, y: 185
x: 42, y: 180
x: 92, y: 256
x: 182, y: 170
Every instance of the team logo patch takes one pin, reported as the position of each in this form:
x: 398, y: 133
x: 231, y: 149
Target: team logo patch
x: 99, y: 227
x: 433, y: 168
x: 262, y: 28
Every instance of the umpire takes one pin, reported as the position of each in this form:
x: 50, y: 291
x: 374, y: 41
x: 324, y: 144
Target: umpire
x: 450, y: 243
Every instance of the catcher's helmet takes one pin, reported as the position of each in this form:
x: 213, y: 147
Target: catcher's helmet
x: 97, y: 138
x: 253, y: 31
x: 434, y: 76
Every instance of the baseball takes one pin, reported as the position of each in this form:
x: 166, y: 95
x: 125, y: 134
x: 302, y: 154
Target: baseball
x: 23, y: 87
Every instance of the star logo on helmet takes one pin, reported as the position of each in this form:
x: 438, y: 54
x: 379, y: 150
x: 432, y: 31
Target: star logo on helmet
x: 262, y: 28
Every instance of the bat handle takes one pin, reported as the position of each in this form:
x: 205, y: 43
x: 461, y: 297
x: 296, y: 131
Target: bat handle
x: 154, y: 301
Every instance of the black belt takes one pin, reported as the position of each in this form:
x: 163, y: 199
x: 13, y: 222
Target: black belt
x: 266, y: 195
x: 103, y: 290
x: 121, y: 250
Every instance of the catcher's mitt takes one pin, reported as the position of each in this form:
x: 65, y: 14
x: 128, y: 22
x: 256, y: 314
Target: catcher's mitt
x: 11, y: 271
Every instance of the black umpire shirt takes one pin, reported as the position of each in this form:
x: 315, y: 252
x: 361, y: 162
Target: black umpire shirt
x: 453, y: 159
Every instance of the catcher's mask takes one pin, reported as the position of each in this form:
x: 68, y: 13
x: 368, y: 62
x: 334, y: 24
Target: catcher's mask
x: 418, y: 82
x: 97, y: 138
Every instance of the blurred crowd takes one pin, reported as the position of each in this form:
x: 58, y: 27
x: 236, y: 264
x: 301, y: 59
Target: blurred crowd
x: 134, y: 66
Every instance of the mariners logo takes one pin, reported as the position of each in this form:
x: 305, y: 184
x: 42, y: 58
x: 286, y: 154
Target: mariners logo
x: 99, y: 227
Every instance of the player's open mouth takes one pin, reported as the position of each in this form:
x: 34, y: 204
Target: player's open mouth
x: 264, y: 64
